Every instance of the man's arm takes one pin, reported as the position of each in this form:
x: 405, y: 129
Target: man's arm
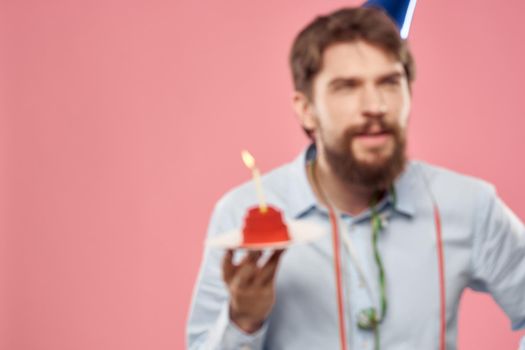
x: 230, y: 314
x: 209, y: 325
x: 251, y: 288
x: 499, y: 258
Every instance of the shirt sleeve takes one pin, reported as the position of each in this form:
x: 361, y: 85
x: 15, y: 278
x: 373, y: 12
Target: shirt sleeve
x: 499, y: 258
x: 209, y: 326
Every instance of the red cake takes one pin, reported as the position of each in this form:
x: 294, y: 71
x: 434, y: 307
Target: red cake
x: 264, y: 227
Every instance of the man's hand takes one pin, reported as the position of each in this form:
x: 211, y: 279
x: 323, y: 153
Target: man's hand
x: 252, y: 292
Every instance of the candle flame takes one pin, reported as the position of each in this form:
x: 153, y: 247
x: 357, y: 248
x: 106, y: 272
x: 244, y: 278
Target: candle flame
x: 248, y: 159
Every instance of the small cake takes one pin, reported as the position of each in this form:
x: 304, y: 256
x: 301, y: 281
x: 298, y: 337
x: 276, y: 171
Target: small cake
x: 264, y: 227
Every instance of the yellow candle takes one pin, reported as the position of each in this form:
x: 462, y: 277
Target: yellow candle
x: 249, y: 161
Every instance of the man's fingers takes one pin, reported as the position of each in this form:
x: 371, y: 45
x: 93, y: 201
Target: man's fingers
x: 228, y: 268
x: 251, y: 257
x: 244, y: 276
x: 247, y: 270
x: 267, y: 274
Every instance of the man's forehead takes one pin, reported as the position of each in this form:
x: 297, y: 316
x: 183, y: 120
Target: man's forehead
x: 359, y: 58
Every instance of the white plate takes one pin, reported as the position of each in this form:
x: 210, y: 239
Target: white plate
x: 299, y: 231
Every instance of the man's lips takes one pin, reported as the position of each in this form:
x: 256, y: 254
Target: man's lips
x: 375, y: 139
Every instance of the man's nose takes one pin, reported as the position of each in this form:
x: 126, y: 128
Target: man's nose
x: 373, y: 103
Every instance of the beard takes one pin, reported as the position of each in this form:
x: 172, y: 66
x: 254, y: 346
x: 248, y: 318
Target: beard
x: 379, y: 175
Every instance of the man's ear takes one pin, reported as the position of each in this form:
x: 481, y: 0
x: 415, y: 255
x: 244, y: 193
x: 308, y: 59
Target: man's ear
x: 305, y: 111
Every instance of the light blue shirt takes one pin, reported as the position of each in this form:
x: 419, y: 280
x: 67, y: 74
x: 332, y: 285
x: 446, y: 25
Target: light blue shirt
x: 484, y: 249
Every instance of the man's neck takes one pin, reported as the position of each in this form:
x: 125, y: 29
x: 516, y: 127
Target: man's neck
x: 352, y: 199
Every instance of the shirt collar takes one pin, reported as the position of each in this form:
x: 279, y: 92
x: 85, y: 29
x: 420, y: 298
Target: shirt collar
x: 404, y: 190
x: 302, y: 199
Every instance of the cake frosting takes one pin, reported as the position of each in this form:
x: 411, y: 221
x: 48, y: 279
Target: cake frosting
x: 264, y: 227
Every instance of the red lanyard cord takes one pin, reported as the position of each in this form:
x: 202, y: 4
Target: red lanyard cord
x: 441, y: 264
x: 338, y: 278
x: 336, y: 246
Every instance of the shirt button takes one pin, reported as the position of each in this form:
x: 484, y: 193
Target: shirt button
x: 246, y: 347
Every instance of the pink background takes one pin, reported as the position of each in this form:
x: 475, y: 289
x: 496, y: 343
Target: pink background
x: 122, y: 121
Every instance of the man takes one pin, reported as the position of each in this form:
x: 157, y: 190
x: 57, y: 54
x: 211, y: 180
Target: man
x: 352, y: 75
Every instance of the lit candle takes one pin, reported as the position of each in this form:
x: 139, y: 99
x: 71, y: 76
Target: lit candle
x: 249, y: 161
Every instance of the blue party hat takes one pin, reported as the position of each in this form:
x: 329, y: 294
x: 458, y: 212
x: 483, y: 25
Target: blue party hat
x: 401, y: 11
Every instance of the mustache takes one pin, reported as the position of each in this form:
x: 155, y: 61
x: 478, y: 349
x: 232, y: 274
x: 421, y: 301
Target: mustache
x: 371, y: 127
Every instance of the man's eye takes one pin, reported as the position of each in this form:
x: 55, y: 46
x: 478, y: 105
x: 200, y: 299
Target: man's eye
x: 391, y: 81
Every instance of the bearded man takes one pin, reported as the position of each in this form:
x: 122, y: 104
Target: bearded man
x: 415, y: 235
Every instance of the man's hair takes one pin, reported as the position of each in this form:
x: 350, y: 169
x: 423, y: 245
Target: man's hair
x: 369, y: 24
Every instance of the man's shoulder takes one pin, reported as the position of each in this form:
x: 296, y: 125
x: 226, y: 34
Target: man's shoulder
x: 452, y: 181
